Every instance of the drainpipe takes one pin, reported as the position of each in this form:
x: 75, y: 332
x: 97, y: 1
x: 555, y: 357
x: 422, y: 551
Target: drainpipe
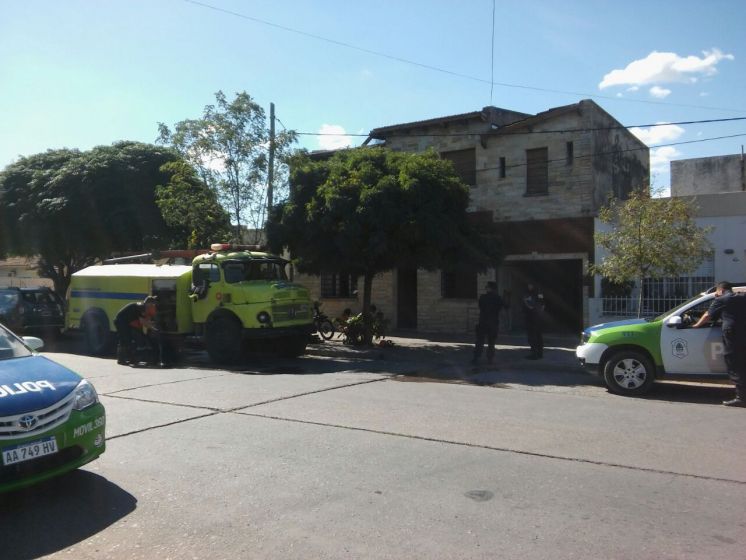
x: 743, y: 175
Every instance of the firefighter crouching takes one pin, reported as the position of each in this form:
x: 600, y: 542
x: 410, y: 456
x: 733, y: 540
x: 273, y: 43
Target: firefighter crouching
x: 130, y: 322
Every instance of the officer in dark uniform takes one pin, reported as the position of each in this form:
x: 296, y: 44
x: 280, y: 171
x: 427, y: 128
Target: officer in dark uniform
x: 533, y: 312
x: 731, y: 308
x: 490, y: 304
x: 129, y: 323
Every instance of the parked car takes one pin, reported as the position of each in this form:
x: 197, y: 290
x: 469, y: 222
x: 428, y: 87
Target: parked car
x: 32, y: 310
x: 51, y: 420
x: 630, y: 355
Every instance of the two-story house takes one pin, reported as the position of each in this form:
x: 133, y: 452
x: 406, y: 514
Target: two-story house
x: 540, y: 181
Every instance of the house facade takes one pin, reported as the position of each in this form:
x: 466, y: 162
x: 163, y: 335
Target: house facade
x: 539, y: 180
x: 716, y: 187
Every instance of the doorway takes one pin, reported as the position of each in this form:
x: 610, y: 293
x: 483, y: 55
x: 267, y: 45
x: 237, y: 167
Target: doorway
x: 561, y: 282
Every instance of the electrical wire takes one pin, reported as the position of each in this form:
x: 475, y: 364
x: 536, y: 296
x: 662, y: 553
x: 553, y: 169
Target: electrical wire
x: 445, y: 71
x: 520, y: 132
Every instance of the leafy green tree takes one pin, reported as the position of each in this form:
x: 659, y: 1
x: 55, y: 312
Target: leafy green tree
x: 190, y: 208
x: 370, y: 210
x: 71, y: 208
x: 229, y: 147
x: 650, y: 238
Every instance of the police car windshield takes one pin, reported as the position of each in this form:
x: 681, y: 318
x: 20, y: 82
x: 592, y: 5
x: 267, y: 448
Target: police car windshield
x: 10, y: 346
x: 240, y: 271
x: 677, y: 308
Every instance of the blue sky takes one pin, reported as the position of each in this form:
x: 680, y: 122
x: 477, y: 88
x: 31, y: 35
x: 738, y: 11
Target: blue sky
x: 83, y: 73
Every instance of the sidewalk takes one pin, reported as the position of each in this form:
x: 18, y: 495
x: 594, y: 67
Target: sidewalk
x: 448, y: 358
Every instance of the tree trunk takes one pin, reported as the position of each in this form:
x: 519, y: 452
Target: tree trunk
x: 639, y: 297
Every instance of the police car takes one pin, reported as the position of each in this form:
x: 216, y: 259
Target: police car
x: 51, y: 420
x: 630, y: 355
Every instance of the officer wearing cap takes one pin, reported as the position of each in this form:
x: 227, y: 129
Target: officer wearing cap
x: 731, y: 308
x: 490, y: 304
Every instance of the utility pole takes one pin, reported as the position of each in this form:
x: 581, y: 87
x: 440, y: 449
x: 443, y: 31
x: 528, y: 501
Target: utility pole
x: 271, y: 171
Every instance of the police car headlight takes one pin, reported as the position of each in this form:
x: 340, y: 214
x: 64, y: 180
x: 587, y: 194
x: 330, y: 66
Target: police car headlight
x: 585, y: 337
x: 263, y: 317
x: 85, y: 395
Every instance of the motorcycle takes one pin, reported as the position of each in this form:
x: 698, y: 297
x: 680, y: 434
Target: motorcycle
x: 322, y: 323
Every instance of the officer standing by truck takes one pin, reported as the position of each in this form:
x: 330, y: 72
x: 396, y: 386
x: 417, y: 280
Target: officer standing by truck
x: 130, y: 321
x: 731, y: 307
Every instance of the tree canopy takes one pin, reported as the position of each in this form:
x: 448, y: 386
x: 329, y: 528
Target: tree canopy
x: 650, y: 238
x: 70, y: 207
x: 229, y: 147
x: 369, y: 210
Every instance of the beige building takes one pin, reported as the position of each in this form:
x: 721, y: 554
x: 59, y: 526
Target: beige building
x: 540, y: 181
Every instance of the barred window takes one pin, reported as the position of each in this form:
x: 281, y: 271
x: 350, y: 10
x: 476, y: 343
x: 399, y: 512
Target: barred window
x: 338, y: 285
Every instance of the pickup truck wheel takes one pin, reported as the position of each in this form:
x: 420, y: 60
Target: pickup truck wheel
x: 223, y: 339
x: 98, y: 339
x: 292, y: 346
x: 629, y: 373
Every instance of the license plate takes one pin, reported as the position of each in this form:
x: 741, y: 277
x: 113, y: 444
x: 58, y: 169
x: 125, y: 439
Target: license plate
x: 28, y: 451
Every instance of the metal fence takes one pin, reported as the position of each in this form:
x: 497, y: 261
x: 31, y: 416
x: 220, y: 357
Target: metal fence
x: 658, y: 296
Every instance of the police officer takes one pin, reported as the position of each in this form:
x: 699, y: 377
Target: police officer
x: 533, y: 312
x: 731, y: 307
x: 490, y: 304
x: 129, y: 323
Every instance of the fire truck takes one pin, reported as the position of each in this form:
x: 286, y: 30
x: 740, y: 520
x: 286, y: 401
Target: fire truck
x: 228, y: 297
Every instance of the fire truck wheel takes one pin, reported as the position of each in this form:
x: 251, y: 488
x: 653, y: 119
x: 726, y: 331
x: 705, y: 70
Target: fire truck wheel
x: 223, y: 339
x: 96, y: 331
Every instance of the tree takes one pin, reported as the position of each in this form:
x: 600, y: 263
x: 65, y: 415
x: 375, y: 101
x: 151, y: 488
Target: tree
x: 650, y: 238
x: 71, y: 208
x: 370, y: 210
x: 190, y: 208
x: 229, y: 147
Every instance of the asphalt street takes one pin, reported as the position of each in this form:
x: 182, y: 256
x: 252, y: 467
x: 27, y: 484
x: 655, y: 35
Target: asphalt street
x: 403, y: 452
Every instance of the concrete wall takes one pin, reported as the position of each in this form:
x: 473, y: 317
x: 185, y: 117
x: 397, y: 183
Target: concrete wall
x: 707, y: 175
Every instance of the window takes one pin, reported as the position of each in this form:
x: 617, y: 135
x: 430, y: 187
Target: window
x: 502, y: 168
x: 338, y: 285
x: 465, y: 164
x: 459, y: 284
x: 537, y: 171
x: 570, y: 152
x: 208, y: 272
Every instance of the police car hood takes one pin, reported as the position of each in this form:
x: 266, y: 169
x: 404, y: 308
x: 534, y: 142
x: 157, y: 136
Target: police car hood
x: 615, y: 324
x: 20, y: 387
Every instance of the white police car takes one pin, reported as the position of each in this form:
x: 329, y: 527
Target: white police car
x: 51, y: 420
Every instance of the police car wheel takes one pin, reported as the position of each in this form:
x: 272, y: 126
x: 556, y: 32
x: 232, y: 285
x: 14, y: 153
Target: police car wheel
x: 628, y: 373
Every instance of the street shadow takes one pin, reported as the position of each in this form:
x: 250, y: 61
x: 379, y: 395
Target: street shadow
x: 56, y: 514
x: 695, y: 393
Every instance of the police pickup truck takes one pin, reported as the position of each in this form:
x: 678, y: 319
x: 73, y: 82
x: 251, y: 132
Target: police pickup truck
x: 630, y: 355
x: 51, y: 420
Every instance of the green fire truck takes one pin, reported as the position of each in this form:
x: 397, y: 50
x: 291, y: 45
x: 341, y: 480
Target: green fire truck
x: 229, y: 296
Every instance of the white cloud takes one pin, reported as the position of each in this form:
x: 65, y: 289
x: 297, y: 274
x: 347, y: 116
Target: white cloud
x: 633, y: 88
x: 658, y: 134
x: 660, y: 158
x: 337, y: 137
x: 665, y: 67
x: 659, y: 92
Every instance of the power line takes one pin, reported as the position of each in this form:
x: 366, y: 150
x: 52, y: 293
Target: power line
x: 557, y: 131
x: 445, y: 71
